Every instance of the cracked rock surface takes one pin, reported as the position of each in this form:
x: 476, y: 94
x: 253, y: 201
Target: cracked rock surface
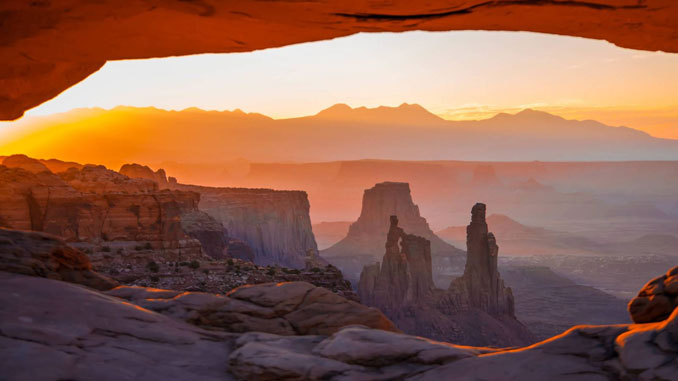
x: 55, y: 330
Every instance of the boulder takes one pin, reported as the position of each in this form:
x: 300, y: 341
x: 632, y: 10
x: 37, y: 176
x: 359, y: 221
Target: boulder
x: 657, y: 299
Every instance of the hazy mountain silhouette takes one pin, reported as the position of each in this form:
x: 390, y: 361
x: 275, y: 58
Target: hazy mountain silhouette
x: 406, y: 132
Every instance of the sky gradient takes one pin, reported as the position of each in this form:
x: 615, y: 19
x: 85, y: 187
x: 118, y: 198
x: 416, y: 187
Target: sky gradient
x: 457, y: 75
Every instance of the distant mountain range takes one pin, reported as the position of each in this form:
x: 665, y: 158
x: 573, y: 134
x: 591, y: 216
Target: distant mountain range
x: 406, y: 132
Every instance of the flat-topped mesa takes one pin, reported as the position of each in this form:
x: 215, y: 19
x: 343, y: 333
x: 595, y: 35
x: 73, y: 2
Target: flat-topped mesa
x: 275, y: 224
x: 481, y: 282
x: 405, y: 275
x: 366, y: 235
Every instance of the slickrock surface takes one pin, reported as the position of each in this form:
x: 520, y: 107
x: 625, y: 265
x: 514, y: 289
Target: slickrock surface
x: 51, y: 330
x: 55, y: 330
x: 49, y: 46
x: 476, y: 310
x: 657, y: 299
x: 42, y: 255
x: 295, y: 308
x: 275, y: 224
x: 366, y: 235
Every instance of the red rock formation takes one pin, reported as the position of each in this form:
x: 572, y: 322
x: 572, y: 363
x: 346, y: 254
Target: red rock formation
x: 24, y: 162
x: 366, y: 236
x: 657, y: 299
x: 49, y: 46
x: 94, y: 205
x: 137, y: 171
x: 481, y: 283
x: 405, y: 275
x: 476, y: 310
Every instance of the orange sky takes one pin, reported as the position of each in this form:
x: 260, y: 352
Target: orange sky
x: 457, y: 75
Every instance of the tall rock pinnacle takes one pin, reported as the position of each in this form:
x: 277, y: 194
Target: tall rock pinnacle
x: 476, y: 309
x: 481, y: 280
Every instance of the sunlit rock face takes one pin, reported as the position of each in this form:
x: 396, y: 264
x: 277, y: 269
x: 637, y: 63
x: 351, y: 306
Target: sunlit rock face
x: 657, y: 299
x: 137, y: 171
x: 476, y: 310
x: 276, y: 225
x: 366, y: 235
x: 49, y: 46
x: 94, y: 206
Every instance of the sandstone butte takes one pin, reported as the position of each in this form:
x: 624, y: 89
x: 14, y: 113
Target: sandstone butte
x: 48, y: 46
x: 54, y: 326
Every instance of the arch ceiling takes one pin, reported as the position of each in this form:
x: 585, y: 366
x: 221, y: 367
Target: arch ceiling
x: 46, y: 46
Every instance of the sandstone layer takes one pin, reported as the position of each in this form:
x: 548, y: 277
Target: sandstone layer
x: 657, y: 299
x: 49, y: 46
x: 476, y: 309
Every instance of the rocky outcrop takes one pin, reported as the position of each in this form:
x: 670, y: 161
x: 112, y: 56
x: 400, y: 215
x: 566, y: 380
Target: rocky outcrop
x: 214, y: 237
x: 137, y: 171
x: 481, y: 283
x: 54, y: 329
x: 52, y: 45
x: 93, y: 203
x: 42, y: 255
x: 366, y: 236
x: 296, y: 308
x: 275, y: 224
x: 405, y: 275
x: 657, y: 299
x: 98, y: 209
x: 476, y: 310
x: 24, y: 162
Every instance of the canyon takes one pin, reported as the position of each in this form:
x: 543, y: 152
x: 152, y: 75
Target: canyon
x: 269, y: 331
x: 146, y: 229
x: 476, y: 309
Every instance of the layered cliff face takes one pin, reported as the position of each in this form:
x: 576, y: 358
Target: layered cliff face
x: 366, y: 236
x: 275, y: 224
x: 94, y: 206
x: 476, y: 310
x: 481, y: 283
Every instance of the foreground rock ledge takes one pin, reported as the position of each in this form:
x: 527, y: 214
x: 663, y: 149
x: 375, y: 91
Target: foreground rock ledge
x: 55, y: 330
x: 48, y: 46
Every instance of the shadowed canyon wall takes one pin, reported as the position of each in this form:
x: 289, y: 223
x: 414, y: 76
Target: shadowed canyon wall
x: 47, y: 47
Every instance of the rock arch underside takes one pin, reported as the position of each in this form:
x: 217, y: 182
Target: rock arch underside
x: 46, y: 46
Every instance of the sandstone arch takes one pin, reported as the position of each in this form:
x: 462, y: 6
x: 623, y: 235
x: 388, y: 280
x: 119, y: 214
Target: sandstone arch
x: 47, y: 46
